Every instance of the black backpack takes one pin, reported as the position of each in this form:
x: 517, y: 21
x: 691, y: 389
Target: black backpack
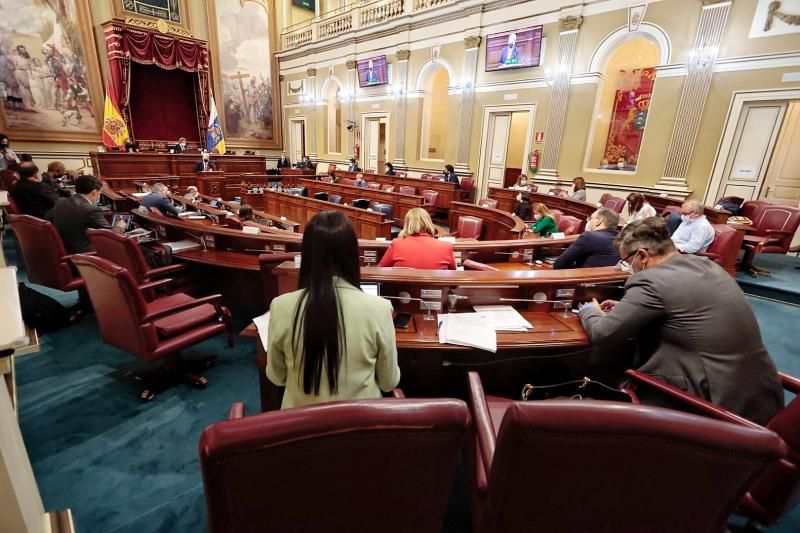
x: 43, y: 312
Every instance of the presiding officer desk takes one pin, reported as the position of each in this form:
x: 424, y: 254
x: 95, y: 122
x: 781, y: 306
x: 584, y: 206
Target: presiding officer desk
x: 556, y: 349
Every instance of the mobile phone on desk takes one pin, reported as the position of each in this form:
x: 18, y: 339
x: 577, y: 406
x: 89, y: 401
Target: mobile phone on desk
x: 401, y: 320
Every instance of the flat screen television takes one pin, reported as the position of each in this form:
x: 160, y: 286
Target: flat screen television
x: 305, y: 4
x: 514, y: 49
x: 373, y: 72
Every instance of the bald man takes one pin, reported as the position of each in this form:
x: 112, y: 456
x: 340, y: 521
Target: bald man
x: 695, y: 234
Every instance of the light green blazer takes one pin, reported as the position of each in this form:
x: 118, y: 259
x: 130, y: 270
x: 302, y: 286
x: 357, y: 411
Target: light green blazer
x: 369, y: 364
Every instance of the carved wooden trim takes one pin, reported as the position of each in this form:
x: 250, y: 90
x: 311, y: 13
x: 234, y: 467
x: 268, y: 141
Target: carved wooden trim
x: 774, y: 13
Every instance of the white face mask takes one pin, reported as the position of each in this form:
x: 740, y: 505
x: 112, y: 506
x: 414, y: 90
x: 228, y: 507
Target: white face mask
x: 686, y: 218
x: 621, y: 164
x: 523, y: 182
x: 519, y: 197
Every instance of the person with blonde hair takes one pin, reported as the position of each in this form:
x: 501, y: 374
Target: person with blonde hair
x: 545, y: 222
x: 417, y: 247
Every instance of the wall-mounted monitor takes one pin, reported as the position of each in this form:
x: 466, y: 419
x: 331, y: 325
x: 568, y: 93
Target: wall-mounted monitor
x: 373, y: 72
x: 305, y: 4
x: 514, y: 49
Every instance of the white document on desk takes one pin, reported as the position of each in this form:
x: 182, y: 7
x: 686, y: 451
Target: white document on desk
x: 262, y: 325
x: 468, y: 329
x: 179, y: 246
x: 504, y: 317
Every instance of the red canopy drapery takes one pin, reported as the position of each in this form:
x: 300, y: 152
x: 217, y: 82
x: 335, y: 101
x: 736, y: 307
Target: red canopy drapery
x: 125, y: 44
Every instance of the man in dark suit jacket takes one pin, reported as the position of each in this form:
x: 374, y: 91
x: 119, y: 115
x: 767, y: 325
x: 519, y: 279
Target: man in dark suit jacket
x: 74, y: 215
x: 692, y: 326
x: 33, y: 197
x: 205, y: 164
x: 284, y: 162
x: 595, y: 247
x: 159, y: 199
x: 450, y: 175
x: 181, y: 146
x: 353, y: 167
x: 306, y: 163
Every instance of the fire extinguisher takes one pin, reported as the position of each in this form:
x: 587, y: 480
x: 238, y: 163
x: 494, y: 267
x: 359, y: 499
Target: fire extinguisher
x: 356, y: 151
x: 533, y: 161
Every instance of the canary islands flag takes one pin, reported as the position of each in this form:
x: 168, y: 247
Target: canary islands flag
x: 115, y: 131
x: 214, y: 138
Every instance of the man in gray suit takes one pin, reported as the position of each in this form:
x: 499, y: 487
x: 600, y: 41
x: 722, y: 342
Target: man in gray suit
x: 692, y: 325
x: 74, y: 215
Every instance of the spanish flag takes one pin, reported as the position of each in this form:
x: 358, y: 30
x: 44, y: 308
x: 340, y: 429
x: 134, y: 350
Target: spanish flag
x: 115, y: 131
x: 215, y: 140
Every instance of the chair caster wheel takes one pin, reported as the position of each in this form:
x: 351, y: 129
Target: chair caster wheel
x: 201, y: 383
x: 147, y: 395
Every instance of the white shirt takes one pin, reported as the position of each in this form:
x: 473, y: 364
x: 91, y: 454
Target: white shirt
x: 694, y: 236
x: 646, y: 211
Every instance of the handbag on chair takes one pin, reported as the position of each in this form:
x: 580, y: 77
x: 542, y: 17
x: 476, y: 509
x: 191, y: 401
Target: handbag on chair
x: 579, y: 389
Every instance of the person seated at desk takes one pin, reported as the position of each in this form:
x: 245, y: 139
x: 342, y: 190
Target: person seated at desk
x: 388, y: 169
x: 32, y: 195
x: 306, y: 163
x: 692, y: 325
x: 158, y: 198
x: 523, y: 208
x: 74, y: 215
x: 639, y: 208
x: 623, y: 165
x: 450, y: 176
x: 578, y: 190
x: 595, y: 247
x: 695, y: 233
x: 181, y: 146
x: 129, y: 146
x: 329, y: 340
x: 360, y: 182
x: 284, y: 162
x: 245, y: 212
x: 521, y: 184
x: 192, y: 194
x: 56, y: 178
x: 205, y: 164
x: 353, y: 166
x: 332, y: 178
x: 545, y: 223
x: 417, y: 247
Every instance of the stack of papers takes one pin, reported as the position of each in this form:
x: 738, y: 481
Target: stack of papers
x: 178, y: 246
x: 504, y: 318
x: 468, y: 329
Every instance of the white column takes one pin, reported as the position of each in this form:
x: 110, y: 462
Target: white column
x: 467, y: 99
x: 400, y: 108
x: 557, y: 110
x: 695, y: 92
x: 311, y: 92
x: 350, y: 92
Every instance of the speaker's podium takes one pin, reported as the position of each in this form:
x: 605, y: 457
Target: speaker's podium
x: 212, y: 183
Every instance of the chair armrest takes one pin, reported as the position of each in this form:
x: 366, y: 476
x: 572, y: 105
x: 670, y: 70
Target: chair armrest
x: 790, y: 383
x: 710, y: 255
x: 398, y: 393
x: 482, y: 422
x: 236, y: 411
x: 453, y: 234
x: 154, y: 284
x: 169, y: 269
x: 696, y: 404
x: 772, y: 232
x: 215, y: 299
x: 68, y: 258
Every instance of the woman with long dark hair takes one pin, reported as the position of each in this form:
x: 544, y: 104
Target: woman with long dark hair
x: 329, y: 340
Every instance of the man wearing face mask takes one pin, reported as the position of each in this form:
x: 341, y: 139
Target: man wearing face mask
x: 595, y: 247
x: 74, y: 215
x: 695, y: 233
x: 691, y: 323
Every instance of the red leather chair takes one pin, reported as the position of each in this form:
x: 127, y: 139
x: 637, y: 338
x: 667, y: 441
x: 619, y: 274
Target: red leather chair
x: 555, y: 191
x: 557, y: 214
x: 777, y: 490
x: 775, y: 226
x: 426, y: 176
x: 369, y: 465
x: 400, y: 174
x: 374, y: 185
x: 570, y: 465
x: 266, y: 263
x: 614, y: 203
x: 467, y: 189
x: 488, y: 202
x: 152, y: 331
x: 46, y: 259
x: 8, y: 178
x: 125, y: 252
x: 605, y: 196
x: 751, y: 207
x: 468, y: 228
x: 570, y: 225
x: 408, y: 190
x: 348, y: 181
x: 369, y: 171
x: 469, y: 264
x: 388, y: 188
x: 430, y: 198
x: 724, y: 249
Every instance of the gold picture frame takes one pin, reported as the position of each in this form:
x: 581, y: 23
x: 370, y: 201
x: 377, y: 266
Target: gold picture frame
x: 185, y: 23
x: 54, y: 124
x: 231, y: 140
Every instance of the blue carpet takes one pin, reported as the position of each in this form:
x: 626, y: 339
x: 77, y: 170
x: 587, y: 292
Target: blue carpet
x: 784, y: 284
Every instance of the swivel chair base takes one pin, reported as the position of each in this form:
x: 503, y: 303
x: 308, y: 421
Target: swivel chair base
x: 174, y: 370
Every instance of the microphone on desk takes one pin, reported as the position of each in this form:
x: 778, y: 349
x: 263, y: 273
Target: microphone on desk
x: 406, y: 298
x: 201, y: 239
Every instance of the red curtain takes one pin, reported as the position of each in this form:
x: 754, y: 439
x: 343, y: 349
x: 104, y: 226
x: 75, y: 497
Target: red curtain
x: 162, y: 105
x: 126, y: 44
x: 629, y: 117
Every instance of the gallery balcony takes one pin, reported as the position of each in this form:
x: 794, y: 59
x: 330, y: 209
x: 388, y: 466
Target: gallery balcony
x: 353, y: 17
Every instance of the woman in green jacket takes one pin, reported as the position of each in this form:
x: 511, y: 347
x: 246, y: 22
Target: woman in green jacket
x: 545, y: 222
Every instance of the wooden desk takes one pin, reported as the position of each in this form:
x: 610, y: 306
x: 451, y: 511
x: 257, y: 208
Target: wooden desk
x: 660, y: 203
x: 448, y: 192
x: 507, y: 200
x: 367, y: 224
x: 298, y: 172
x: 497, y: 224
x: 401, y: 203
